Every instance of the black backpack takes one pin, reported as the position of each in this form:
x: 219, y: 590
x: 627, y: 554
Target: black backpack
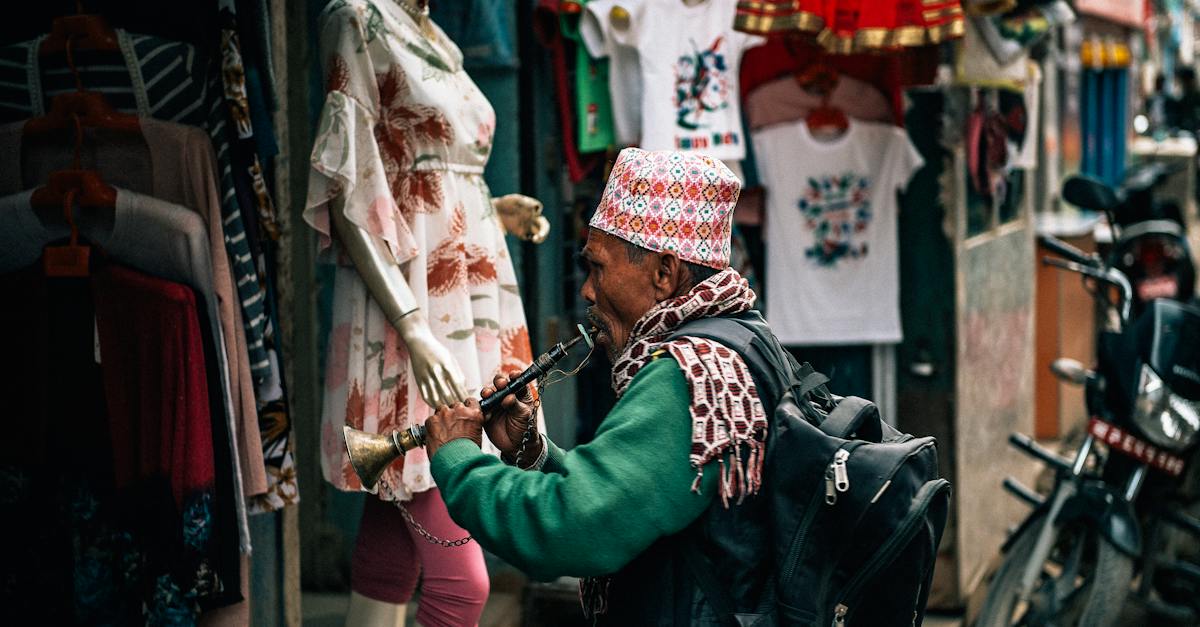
x: 857, y: 508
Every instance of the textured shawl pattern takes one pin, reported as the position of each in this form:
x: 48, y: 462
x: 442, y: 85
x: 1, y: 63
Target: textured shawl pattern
x: 726, y: 412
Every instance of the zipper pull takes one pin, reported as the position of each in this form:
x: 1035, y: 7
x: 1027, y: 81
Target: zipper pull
x: 830, y: 484
x: 840, y: 475
x: 839, y: 615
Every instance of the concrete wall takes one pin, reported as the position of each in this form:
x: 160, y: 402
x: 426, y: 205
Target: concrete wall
x: 994, y: 380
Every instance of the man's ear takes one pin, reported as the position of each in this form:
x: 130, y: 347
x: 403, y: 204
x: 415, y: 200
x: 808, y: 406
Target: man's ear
x: 669, y: 276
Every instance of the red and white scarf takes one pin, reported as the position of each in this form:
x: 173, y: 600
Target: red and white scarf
x: 726, y: 412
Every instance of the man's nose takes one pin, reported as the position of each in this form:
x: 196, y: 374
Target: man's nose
x: 587, y: 292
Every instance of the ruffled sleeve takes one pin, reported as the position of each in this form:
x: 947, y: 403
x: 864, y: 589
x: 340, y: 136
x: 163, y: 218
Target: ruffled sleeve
x: 346, y: 159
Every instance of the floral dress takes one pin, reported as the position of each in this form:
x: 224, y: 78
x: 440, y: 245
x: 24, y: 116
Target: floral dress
x: 403, y: 137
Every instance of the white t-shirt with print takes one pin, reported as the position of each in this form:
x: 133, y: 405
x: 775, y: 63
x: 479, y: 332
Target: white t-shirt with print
x: 624, y: 72
x: 832, y: 255
x: 689, y: 57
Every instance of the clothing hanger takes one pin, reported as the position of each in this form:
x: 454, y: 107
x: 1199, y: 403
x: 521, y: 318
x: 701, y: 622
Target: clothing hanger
x: 827, y: 118
x: 821, y: 79
x: 69, y: 34
x: 817, y: 77
x: 66, y: 188
x: 82, y: 31
x: 76, y: 186
x: 89, y: 108
x: 84, y: 187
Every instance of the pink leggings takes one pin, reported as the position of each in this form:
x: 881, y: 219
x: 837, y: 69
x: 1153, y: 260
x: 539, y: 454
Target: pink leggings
x: 390, y: 554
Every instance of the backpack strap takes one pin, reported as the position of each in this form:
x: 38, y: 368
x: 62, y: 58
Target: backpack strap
x: 810, y: 380
x: 702, y: 571
x: 747, y: 334
x: 854, y: 415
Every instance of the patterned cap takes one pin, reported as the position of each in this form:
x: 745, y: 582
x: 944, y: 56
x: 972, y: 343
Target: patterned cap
x: 665, y: 200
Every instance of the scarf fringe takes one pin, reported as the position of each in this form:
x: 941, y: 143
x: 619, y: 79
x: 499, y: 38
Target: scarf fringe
x: 593, y: 596
x: 737, y: 477
x: 722, y: 430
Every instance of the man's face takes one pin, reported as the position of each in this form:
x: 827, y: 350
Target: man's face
x: 621, y: 291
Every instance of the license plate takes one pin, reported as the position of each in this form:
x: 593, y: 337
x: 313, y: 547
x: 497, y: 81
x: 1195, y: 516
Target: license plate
x: 1122, y: 440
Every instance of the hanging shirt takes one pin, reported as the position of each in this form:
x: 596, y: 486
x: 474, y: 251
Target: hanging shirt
x: 171, y: 242
x: 163, y: 79
x: 593, y: 107
x: 596, y: 29
x: 546, y: 30
x: 784, y: 100
x: 832, y: 260
x: 689, y: 56
x: 156, y: 392
x: 113, y: 486
x: 172, y: 163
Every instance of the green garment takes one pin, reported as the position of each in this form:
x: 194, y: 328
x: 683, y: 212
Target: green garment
x: 593, y: 104
x: 592, y: 509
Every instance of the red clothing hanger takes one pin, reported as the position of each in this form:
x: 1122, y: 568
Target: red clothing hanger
x: 82, y: 32
x: 65, y: 189
x: 77, y: 186
x: 827, y: 117
x: 822, y: 79
x: 69, y: 34
x: 84, y: 187
x: 89, y: 108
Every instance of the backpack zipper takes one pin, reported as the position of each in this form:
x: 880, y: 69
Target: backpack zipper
x: 837, y: 479
x: 884, y: 556
x: 811, y: 512
x: 839, y: 615
x: 799, y: 538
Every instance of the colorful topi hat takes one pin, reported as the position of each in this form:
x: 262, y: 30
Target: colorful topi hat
x: 671, y: 201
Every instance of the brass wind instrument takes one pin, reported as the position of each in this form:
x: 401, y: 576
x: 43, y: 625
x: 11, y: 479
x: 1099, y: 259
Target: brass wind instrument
x: 371, y: 453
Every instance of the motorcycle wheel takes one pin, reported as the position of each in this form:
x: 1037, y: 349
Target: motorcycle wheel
x: 1065, y: 593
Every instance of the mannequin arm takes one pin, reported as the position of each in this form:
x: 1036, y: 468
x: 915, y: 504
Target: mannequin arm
x: 438, y: 376
x: 522, y: 216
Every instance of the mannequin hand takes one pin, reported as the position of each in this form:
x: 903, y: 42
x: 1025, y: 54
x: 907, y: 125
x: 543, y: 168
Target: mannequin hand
x: 451, y: 423
x: 522, y: 216
x: 437, y: 373
x: 506, y: 424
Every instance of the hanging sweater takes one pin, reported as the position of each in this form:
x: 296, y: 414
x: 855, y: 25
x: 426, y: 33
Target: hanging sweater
x: 594, y: 508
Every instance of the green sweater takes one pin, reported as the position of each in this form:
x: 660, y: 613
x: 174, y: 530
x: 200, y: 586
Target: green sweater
x: 592, y: 509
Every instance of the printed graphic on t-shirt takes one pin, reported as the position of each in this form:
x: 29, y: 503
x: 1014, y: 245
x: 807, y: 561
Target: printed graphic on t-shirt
x: 702, y: 86
x: 837, y: 212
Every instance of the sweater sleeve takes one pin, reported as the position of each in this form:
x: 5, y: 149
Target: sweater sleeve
x: 555, y: 458
x: 595, y: 507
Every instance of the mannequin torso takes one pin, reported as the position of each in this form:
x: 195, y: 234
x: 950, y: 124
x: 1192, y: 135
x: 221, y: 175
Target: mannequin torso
x: 426, y: 309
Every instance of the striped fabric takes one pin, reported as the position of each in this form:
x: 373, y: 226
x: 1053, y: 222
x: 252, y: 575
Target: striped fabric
x: 158, y: 78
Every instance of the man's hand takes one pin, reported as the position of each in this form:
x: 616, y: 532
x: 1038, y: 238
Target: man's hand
x: 452, y: 422
x: 506, y: 424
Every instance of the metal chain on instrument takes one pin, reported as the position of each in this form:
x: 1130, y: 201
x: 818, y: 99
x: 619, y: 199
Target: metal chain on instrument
x: 531, y: 426
x: 425, y: 533
x: 429, y: 537
x: 420, y: 529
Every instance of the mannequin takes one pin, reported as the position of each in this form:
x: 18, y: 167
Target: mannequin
x: 425, y: 301
x: 438, y: 376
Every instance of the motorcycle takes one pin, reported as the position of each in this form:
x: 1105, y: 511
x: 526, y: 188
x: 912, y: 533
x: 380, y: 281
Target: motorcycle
x: 1074, y: 559
x: 1151, y: 249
